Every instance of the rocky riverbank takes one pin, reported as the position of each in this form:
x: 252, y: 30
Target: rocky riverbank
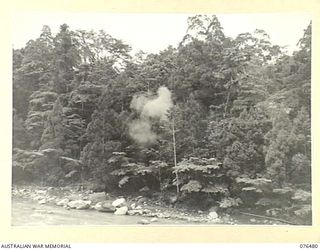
x: 71, y: 198
x: 151, y: 210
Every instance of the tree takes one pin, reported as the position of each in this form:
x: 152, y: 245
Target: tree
x: 31, y: 69
x: 289, y: 140
x: 244, y: 154
x: 66, y: 59
x: 40, y: 104
x: 20, y: 137
x: 54, y: 133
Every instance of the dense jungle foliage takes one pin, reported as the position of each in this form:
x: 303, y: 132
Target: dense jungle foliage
x: 240, y: 117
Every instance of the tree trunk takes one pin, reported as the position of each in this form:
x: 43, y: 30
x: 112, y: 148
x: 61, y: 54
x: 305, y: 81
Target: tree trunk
x: 175, y: 154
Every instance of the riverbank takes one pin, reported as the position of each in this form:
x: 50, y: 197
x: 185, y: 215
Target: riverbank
x: 123, y: 210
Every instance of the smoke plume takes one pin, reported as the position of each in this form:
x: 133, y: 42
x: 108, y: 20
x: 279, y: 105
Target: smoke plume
x: 141, y: 129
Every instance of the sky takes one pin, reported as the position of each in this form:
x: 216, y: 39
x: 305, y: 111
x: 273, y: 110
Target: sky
x: 152, y: 33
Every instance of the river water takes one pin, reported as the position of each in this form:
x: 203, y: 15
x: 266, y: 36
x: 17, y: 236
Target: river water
x: 29, y: 213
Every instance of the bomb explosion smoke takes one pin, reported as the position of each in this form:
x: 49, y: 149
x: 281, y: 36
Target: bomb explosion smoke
x: 141, y: 129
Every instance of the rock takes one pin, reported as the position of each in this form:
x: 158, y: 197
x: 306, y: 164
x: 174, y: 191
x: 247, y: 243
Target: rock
x: 146, y: 211
x: 118, y: 202
x: 264, y: 202
x: 162, y: 215
x: 253, y: 220
x: 142, y: 200
x: 79, y: 204
x: 41, y: 192
x: 138, y: 207
x: 213, y: 215
x: 63, y: 202
x: 43, y: 201
x: 74, y: 197
x: 190, y: 219
x: 105, y: 206
x: 200, y: 212
x: 121, y: 211
x: 144, y: 222
x: 133, y: 206
x: 135, y: 211
x: 38, y: 198
x: 154, y: 220
x: 97, y: 197
x: 273, y: 211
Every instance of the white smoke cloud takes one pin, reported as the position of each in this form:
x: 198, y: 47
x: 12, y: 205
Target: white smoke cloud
x: 158, y: 107
x: 140, y: 131
x: 138, y: 102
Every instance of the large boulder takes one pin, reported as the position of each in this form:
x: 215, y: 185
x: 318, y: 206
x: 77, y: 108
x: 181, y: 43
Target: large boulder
x: 154, y: 220
x: 213, y: 215
x: 133, y: 206
x: 105, y: 206
x: 79, y: 204
x: 119, y: 202
x: 121, y: 211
